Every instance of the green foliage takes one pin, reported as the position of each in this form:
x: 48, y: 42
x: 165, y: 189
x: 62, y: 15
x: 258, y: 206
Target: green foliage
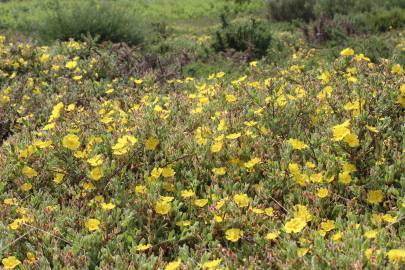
x: 253, y: 38
x: 103, y: 19
x: 373, y: 47
x: 382, y: 20
x: 288, y: 10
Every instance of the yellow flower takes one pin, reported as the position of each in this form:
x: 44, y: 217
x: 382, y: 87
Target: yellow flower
x: 216, y: 147
x: 360, y: 57
x: 301, y: 211
x: 241, y: 200
x: 368, y: 253
x: 141, y: 189
x: 42, y: 144
x: 88, y: 186
x: 251, y: 163
x: 233, y: 234
x: 375, y: 219
x: 200, y: 202
x: 297, y: 144
x: 26, y: 187
x: 10, y: 262
x: 92, y: 224
x: 49, y: 126
x: 219, y: 204
x: 316, y: 177
x: 349, y: 168
x: 396, y: 255
x: 310, y: 165
x: 10, y: 201
x: 233, y: 136
x: 326, y: 92
x: 107, y: 206
x: 173, y: 265
x: 156, y: 172
x: 371, y: 234
x: 210, y: 265
x: 347, y: 52
x: 138, y: 81
x: 15, y: 224
x: 58, y: 177
x: 143, y: 247
x: 341, y: 131
x: 29, y: 172
x: 219, y: 171
x: 337, y: 236
x: 168, y: 172
x: 294, y: 168
x: 302, y: 252
x: 218, y: 219
x: 345, y: 177
x: 71, y: 64
x: 95, y: 161
x: 372, y: 129
x: 269, y: 211
x: 328, y: 225
x: 352, y: 140
x: 187, y: 193
x: 388, y: 218
x: 71, y: 142
x: 31, y: 256
x: 295, y: 225
x: 272, y: 235
x: 397, y: 69
x: 80, y: 154
x: 96, y: 173
x: 151, y: 144
x: 375, y: 196
x: 162, y: 207
x: 253, y: 64
x: 230, y: 98
x: 71, y: 107
x: 123, y: 144
x: 322, y: 193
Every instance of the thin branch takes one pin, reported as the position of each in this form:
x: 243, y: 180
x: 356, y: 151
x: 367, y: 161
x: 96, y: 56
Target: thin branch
x: 16, y: 240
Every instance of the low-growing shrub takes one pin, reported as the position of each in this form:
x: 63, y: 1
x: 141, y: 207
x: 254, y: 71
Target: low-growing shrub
x: 104, y: 19
x: 374, y: 47
x: 327, y: 30
x: 254, y: 37
x: 383, y: 20
x: 288, y: 10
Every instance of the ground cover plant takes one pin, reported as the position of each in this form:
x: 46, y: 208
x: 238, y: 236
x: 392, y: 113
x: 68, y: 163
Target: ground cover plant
x: 291, y: 158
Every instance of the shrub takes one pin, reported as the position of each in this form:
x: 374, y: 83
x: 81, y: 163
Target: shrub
x: 332, y: 31
x: 373, y: 47
x: 253, y: 37
x: 382, y: 20
x: 288, y: 10
x: 103, y: 19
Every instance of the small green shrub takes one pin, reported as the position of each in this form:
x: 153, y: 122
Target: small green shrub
x: 331, y: 31
x: 253, y: 37
x: 288, y: 10
x: 383, y: 20
x: 373, y: 47
x: 103, y: 19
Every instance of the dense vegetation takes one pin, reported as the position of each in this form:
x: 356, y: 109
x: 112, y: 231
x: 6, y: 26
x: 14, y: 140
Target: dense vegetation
x: 202, y: 134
